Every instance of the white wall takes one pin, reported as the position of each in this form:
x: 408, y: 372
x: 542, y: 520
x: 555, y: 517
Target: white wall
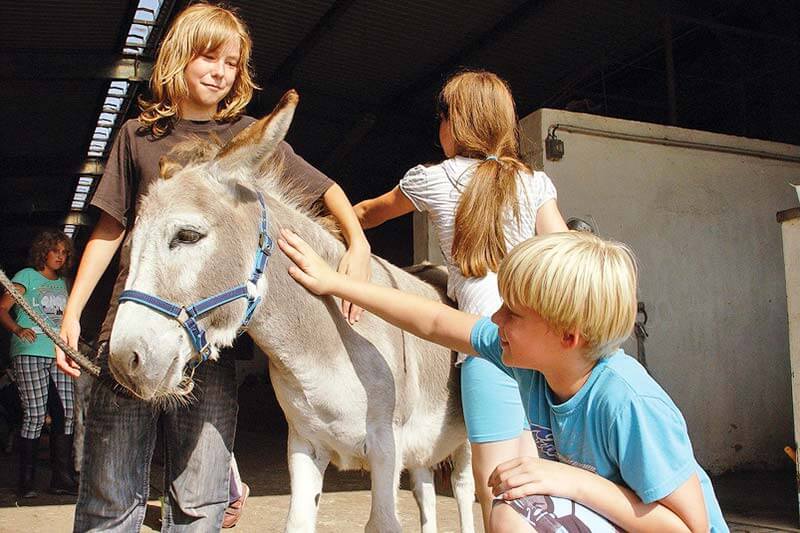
x: 703, y: 226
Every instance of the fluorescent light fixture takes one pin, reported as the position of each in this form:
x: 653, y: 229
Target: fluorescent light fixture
x: 136, y: 42
x: 118, y: 88
x: 97, y: 146
x: 106, y: 119
x: 139, y: 32
x: 102, y: 133
x: 112, y: 103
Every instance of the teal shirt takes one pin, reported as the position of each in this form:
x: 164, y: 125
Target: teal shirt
x: 620, y: 425
x: 48, y: 297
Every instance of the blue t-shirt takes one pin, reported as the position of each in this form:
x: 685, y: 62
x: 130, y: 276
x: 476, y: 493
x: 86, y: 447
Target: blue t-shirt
x: 48, y: 297
x: 620, y: 425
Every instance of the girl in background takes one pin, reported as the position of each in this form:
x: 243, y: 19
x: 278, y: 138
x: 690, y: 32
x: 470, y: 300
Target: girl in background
x: 34, y: 364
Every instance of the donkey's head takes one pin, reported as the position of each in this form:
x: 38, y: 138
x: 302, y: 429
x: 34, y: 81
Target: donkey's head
x: 196, y: 235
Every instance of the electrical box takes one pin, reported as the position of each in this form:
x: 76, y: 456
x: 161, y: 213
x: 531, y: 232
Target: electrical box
x: 553, y: 147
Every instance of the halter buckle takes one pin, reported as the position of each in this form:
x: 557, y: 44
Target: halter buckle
x: 265, y: 243
x: 205, y: 352
x: 183, y: 316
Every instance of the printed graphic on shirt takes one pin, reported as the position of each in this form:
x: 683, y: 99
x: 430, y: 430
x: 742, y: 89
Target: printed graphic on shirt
x: 545, y: 443
x: 52, y: 302
x: 552, y: 514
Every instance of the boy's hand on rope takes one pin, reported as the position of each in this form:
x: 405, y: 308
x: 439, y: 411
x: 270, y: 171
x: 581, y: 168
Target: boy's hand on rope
x: 70, y: 331
x: 309, y: 269
x: 355, y: 264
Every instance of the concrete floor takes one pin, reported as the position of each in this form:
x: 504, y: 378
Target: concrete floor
x: 752, y: 502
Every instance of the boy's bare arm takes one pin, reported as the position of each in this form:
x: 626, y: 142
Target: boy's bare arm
x: 682, y: 511
x: 688, y: 502
x: 376, y: 211
x: 424, y: 318
x: 103, y: 243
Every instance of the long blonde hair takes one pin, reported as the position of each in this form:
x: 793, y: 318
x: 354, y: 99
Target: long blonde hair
x: 196, y: 30
x: 483, y: 123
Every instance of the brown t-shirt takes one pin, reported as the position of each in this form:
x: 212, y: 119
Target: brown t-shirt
x: 132, y: 167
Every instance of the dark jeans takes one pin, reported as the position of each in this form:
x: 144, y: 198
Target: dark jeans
x: 120, y: 438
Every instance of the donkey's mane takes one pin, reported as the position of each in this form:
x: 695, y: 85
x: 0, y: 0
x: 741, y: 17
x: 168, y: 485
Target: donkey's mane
x: 271, y: 177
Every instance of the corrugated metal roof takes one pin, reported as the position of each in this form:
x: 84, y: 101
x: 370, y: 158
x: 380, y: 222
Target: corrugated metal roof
x: 378, y: 48
x: 356, y: 59
x: 59, y: 25
x: 566, y: 37
x: 277, y: 28
x: 47, y: 117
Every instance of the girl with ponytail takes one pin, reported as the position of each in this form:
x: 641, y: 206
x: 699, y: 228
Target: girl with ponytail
x: 482, y: 200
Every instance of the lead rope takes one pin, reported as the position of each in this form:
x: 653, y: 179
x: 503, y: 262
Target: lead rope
x: 82, y: 361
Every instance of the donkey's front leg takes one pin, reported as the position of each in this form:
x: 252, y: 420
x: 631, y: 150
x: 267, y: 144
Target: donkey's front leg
x: 385, y: 462
x: 463, y: 486
x: 307, y: 466
x: 425, y: 494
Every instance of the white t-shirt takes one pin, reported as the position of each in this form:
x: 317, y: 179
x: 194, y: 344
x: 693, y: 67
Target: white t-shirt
x: 437, y: 189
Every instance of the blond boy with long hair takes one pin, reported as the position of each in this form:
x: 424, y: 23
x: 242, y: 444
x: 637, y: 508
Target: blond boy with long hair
x: 614, y: 451
x: 200, y: 85
x: 482, y: 200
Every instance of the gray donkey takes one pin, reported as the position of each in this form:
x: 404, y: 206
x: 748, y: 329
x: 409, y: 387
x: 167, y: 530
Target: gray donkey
x: 367, y: 396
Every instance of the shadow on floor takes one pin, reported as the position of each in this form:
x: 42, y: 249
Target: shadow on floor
x: 751, y: 501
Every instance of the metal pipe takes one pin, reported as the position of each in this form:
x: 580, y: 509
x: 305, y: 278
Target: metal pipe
x: 664, y: 141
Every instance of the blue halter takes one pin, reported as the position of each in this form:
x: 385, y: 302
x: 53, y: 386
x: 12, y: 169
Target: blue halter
x: 188, y: 316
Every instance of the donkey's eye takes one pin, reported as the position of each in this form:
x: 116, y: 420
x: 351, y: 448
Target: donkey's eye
x: 185, y: 236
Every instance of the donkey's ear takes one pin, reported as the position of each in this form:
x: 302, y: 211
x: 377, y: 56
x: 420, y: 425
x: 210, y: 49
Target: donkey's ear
x: 259, y: 140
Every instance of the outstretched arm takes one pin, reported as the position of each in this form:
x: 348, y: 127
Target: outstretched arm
x: 425, y: 318
x: 681, y: 511
x: 376, y: 211
x: 103, y: 243
x: 355, y: 261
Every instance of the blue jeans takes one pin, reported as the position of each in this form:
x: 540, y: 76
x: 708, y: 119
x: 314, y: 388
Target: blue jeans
x: 120, y: 438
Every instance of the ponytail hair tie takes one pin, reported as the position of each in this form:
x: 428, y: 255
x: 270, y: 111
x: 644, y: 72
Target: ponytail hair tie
x: 491, y: 158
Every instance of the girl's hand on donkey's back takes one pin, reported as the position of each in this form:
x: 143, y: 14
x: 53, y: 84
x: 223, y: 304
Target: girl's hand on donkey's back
x: 354, y: 264
x: 309, y: 269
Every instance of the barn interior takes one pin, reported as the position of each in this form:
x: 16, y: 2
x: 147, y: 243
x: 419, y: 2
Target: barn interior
x: 367, y: 73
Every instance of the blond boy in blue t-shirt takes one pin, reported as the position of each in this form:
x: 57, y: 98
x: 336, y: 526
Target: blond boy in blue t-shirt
x: 614, y: 449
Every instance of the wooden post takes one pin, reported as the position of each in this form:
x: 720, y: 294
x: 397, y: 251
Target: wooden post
x: 790, y: 231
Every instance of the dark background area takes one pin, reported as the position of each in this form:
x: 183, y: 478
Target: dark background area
x: 367, y: 72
